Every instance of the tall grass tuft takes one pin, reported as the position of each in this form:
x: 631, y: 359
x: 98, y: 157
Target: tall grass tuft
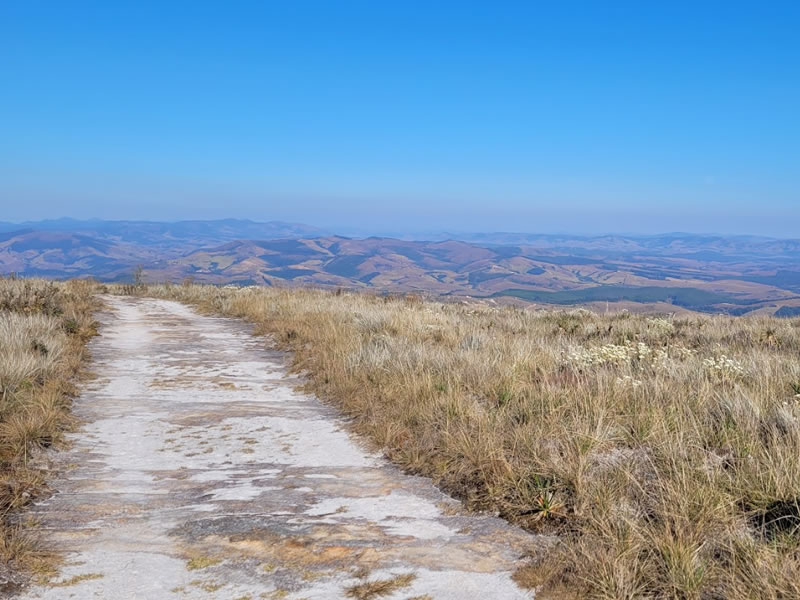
x: 44, y: 328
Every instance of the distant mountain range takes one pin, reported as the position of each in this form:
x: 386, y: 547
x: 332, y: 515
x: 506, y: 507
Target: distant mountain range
x: 735, y: 274
x: 169, y: 235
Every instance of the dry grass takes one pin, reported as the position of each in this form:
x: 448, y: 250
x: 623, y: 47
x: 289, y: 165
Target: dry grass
x: 76, y: 579
x: 664, y: 451
x: 379, y: 588
x: 202, y: 562
x: 44, y: 328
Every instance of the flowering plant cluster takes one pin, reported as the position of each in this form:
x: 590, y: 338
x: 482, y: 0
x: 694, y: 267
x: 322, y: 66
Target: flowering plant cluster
x: 602, y: 355
x: 661, y: 325
x: 660, y: 358
x: 723, y: 366
x: 616, y: 354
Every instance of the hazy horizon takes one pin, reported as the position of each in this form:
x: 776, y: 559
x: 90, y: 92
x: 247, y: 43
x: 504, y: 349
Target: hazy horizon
x: 417, y: 234
x: 575, y: 118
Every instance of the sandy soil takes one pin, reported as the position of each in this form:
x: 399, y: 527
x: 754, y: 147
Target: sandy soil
x: 202, y: 473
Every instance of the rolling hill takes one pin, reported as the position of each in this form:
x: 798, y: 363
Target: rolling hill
x: 737, y: 274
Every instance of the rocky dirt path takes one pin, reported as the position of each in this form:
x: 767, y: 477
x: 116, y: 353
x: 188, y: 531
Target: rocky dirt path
x: 202, y: 473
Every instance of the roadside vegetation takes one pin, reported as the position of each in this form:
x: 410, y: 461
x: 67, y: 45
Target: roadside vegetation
x: 44, y: 328
x: 663, y: 451
x: 687, y: 297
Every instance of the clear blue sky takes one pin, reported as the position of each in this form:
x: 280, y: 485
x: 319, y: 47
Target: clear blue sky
x: 530, y: 116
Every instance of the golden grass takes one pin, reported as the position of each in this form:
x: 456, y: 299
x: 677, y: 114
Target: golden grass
x: 75, y: 580
x: 379, y: 588
x: 201, y: 562
x: 665, y: 452
x: 44, y: 328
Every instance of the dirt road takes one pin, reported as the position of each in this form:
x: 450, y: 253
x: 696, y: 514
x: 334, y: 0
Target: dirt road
x: 202, y: 473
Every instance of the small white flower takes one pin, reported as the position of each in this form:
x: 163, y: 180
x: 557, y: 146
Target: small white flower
x: 724, y: 366
x: 627, y: 380
x: 662, y: 326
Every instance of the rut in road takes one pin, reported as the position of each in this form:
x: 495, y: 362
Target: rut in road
x: 201, y: 472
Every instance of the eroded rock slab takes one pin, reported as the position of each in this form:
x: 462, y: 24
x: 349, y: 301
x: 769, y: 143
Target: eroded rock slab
x: 202, y: 473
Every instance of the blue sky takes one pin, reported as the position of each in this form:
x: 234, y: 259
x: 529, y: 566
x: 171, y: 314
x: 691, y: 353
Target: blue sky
x: 392, y: 116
